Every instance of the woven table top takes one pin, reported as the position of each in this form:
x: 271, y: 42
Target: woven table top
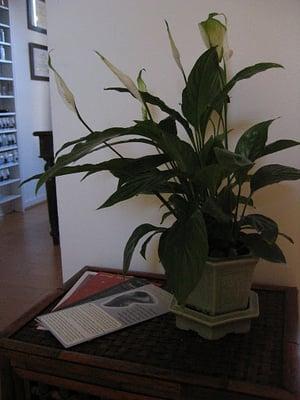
x: 255, y: 357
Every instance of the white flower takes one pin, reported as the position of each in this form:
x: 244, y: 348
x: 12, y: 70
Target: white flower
x: 125, y: 79
x: 63, y: 89
x: 213, y: 33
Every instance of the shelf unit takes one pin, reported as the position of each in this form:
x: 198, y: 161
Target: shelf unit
x: 10, y: 192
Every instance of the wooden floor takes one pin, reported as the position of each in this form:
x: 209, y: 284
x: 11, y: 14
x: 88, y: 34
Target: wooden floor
x: 30, y: 266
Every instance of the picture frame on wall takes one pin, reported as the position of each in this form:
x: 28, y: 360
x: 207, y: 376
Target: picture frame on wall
x: 37, y: 16
x: 38, y: 61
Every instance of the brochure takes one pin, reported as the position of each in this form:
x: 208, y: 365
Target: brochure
x: 78, y: 324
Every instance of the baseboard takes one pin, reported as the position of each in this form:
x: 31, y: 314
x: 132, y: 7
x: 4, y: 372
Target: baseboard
x: 34, y: 201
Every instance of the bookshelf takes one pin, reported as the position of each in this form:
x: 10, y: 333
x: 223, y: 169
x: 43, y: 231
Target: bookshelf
x: 10, y: 192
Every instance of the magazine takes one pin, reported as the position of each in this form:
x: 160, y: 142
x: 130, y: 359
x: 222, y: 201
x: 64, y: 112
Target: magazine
x: 84, y: 322
x: 90, y: 283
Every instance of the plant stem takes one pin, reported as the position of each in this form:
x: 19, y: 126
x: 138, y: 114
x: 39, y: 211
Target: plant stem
x: 237, y: 205
x: 165, y: 203
x: 225, y: 109
x: 148, y: 110
x: 91, y: 131
x: 184, y: 76
x: 214, y: 126
x: 246, y: 205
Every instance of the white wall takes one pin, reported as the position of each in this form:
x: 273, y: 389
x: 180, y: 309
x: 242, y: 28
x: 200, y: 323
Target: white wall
x: 131, y: 34
x: 32, y: 100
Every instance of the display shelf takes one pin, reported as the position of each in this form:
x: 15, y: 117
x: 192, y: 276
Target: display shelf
x: 9, y: 165
x: 7, y: 114
x: 10, y: 191
x: 4, y: 131
x: 9, y: 182
x: 7, y: 148
x: 8, y: 198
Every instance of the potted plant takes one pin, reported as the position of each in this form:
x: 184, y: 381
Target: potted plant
x: 210, y: 237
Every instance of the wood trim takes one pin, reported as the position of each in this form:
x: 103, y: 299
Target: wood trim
x: 291, y: 367
x: 93, y: 390
x: 30, y: 313
x: 18, y: 352
x: 114, y: 379
x: 264, y: 392
x: 291, y: 316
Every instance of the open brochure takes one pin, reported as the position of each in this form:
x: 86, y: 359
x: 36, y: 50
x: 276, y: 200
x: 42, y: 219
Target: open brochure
x: 87, y: 321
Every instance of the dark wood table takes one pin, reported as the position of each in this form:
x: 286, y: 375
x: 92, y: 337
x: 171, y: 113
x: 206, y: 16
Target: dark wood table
x: 155, y: 360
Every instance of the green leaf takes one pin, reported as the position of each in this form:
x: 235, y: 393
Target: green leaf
x: 32, y: 178
x: 165, y: 216
x: 137, y: 234
x: 141, y: 184
x: 245, y: 73
x: 156, y: 101
x: 148, y: 240
x: 231, y: 161
x: 286, y: 237
x: 246, y: 200
x: 181, y: 152
x: 128, y: 167
x: 261, y: 248
x: 212, y: 208
x: 278, y: 146
x: 202, y: 87
x: 248, y: 72
x: 180, y: 205
x: 183, y: 251
x: 273, y: 173
x: 209, y: 177
x: 80, y: 150
x: 265, y: 226
x: 227, y: 200
x: 168, y: 125
x: 251, y: 144
x: 207, y: 152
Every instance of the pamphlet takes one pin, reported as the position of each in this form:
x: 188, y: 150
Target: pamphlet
x: 92, y: 284
x: 78, y: 324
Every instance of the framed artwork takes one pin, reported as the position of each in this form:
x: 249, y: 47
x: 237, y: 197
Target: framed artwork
x: 36, y: 15
x: 38, y: 61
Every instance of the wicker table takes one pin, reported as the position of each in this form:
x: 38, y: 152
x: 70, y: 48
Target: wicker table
x: 155, y: 360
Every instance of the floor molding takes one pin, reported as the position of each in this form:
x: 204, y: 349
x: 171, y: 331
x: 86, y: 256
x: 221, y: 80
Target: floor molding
x: 34, y: 201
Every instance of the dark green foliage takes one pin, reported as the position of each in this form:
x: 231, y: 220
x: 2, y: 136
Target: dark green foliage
x: 203, y: 186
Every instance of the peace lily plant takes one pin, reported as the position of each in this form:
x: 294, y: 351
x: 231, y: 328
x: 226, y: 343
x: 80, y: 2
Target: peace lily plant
x: 203, y: 184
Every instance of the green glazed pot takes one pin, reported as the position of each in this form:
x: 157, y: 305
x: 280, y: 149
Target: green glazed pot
x: 224, y: 286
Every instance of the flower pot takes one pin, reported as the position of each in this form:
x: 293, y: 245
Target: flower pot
x: 222, y: 301
x: 224, y: 286
x: 215, y: 327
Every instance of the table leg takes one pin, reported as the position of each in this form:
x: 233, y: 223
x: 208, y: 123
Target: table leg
x: 6, y: 380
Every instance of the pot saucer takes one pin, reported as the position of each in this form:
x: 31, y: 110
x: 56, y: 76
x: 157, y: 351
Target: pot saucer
x: 215, y: 327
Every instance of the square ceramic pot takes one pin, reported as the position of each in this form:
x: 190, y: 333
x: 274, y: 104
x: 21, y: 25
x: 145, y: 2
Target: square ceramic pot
x: 215, y: 327
x: 224, y: 286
